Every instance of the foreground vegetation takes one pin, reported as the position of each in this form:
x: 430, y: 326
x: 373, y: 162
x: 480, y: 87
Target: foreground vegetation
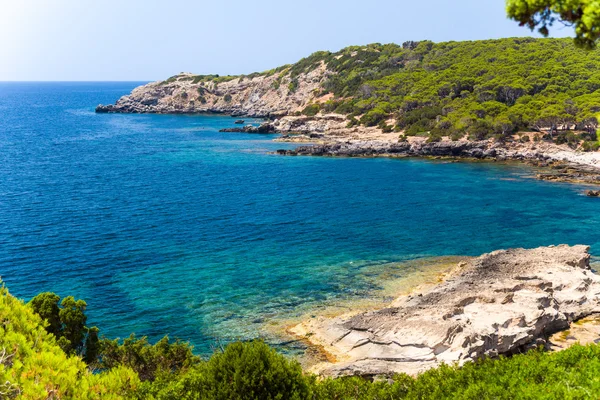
x: 37, y: 361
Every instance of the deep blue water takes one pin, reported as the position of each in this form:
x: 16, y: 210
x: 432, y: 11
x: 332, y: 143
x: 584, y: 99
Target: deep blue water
x: 165, y: 225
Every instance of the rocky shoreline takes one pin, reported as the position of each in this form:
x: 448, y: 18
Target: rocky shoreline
x: 273, y: 96
x: 559, y: 164
x: 503, y: 302
x: 270, y: 94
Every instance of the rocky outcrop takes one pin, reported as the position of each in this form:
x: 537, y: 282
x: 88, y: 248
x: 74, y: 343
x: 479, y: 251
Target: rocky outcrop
x: 461, y: 148
x: 500, y: 303
x: 315, y: 124
x: 262, y: 128
x: 260, y: 95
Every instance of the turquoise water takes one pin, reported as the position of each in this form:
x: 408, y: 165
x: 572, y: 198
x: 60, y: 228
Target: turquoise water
x: 165, y: 225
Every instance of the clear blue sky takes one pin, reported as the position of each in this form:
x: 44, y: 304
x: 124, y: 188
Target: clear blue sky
x: 151, y: 39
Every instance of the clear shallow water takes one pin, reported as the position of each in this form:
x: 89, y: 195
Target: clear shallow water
x: 163, y: 225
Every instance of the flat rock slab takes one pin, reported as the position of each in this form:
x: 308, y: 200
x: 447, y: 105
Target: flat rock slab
x: 499, y: 303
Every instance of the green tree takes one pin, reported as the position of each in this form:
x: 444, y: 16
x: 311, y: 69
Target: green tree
x: 92, y: 346
x: 67, y: 323
x: 584, y: 15
x: 46, y: 306
x: 72, y: 316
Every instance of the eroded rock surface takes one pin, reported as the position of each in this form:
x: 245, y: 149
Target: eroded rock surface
x: 263, y: 95
x: 499, y: 303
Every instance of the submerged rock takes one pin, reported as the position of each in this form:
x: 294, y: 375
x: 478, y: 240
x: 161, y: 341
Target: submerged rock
x: 500, y: 303
x: 593, y: 193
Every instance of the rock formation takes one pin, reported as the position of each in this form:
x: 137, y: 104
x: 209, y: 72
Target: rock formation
x: 260, y: 95
x: 499, y: 303
x: 461, y: 148
x: 262, y: 128
x: 593, y: 193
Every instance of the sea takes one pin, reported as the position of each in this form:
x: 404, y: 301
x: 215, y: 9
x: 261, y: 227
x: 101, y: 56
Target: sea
x: 165, y: 226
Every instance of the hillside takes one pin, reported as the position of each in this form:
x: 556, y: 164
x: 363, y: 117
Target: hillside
x: 489, y: 88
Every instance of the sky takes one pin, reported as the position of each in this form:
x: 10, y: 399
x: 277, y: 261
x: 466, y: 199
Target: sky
x: 146, y: 40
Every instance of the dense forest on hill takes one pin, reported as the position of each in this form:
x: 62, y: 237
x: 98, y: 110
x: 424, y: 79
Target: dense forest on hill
x: 483, y: 88
x: 488, y: 88
x: 47, y: 352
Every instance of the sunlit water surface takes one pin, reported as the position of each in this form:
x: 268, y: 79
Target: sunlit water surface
x: 166, y: 226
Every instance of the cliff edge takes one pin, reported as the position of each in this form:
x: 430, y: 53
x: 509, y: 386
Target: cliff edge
x: 270, y: 94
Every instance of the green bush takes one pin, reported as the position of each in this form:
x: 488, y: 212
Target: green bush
x: 590, y: 146
x: 241, y: 371
x: 293, y: 85
x: 311, y: 109
x: 352, y: 122
x: 373, y: 117
x: 385, y: 128
x: 33, y: 365
x: 146, y: 359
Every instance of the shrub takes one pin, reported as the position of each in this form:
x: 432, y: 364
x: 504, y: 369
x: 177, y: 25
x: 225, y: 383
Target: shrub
x: 590, y: 146
x: 227, y: 98
x: 35, y: 367
x: 146, y: 359
x: 311, y: 110
x: 480, y: 129
x: 385, y: 127
x: 434, y: 138
x: 293, y: 85
x: 352, y: 122
x: 250, y: 370
x: 373, y: 117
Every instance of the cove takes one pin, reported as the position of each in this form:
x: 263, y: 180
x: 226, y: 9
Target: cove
x: 166, y: 226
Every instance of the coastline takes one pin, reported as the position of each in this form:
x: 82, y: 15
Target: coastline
x: 328, y: 136
x: 389, y: 281
x: 425, y: 274
x: 559, y: 162
x: 270, y: 96
x: 462, y: 317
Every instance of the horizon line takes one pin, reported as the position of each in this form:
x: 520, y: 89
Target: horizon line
x: 78, y: 81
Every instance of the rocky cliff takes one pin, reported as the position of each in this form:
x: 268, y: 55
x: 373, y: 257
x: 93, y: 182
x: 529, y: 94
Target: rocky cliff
x: 500, y: 303
x: 259, y: 95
